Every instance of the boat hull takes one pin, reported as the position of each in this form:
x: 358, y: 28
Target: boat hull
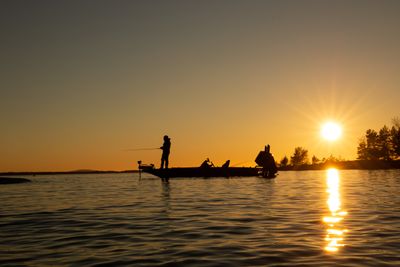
x: 205, y: 172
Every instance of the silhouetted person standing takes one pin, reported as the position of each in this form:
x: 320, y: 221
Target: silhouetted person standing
x: 166, y: 147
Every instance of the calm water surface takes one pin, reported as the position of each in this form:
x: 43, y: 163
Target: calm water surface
x: 315, y: 218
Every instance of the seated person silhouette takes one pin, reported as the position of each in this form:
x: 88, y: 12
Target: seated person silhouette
x: 206, y: 164
x: 226, y: 164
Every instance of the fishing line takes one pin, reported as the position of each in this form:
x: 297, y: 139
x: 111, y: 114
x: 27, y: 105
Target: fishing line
x: 140, y: 149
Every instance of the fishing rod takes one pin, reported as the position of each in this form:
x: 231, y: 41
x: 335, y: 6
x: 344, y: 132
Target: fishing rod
x: 240, y: 163
x: 140, y: 149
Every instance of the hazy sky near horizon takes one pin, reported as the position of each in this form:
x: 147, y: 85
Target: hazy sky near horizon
x: 83, y: 80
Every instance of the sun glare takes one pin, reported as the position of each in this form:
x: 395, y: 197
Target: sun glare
x: 331, y: 131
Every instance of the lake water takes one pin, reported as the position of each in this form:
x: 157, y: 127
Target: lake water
x: 308, y: 218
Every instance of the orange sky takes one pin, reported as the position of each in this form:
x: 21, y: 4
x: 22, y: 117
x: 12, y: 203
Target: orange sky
x: 82, y: 82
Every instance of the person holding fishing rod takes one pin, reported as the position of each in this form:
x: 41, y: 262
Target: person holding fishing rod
x: 166, y: 147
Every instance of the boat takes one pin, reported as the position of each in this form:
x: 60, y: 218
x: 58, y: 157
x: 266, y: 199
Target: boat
x: 266, y: 168
x: 206, y: 172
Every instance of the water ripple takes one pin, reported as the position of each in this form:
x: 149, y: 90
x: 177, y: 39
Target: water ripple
x: 117, y: 219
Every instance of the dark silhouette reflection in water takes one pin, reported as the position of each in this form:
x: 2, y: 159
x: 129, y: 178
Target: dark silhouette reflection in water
x: 166, y: 198
x: 166, y: 193
x: 334, y: 229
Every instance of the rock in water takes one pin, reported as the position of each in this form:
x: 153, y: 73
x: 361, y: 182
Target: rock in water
x: 13, y: 180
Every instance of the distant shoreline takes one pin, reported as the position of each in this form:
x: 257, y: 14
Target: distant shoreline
x: 65, y: 172
x: 347, y: 165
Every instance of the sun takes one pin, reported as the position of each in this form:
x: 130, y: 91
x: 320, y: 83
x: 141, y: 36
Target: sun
x: 331, y: 131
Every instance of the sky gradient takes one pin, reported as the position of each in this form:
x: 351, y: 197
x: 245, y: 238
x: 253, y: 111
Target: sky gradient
x: 81, y: 81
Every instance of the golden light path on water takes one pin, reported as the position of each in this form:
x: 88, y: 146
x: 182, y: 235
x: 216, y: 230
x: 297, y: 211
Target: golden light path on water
x: 335, y: 232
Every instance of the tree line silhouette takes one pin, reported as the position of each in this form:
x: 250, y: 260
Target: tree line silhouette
x: 377, y: 149
x: 300, y: 158
x: 381, y: 145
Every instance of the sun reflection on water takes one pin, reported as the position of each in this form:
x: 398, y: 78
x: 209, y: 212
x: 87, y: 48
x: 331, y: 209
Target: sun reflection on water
x: 335, y: 232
